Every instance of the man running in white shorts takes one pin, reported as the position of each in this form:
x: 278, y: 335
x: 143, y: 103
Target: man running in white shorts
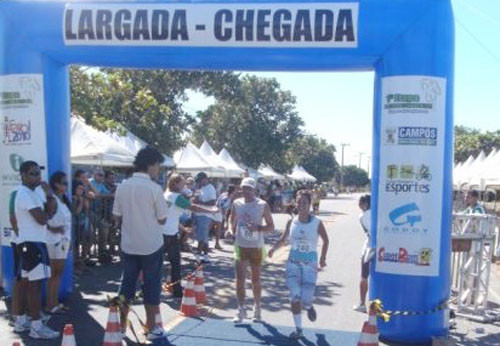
x: 302, y: 264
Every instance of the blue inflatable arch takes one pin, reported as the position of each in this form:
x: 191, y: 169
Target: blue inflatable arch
x: 409, y: 44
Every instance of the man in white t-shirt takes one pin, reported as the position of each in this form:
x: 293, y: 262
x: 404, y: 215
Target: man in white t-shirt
x: 140, y: 211
x: 205, y: 196
x: 32, y: 212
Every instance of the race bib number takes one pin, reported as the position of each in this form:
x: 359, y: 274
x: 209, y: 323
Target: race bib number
x: 245, y: 232
x: 303, y: 246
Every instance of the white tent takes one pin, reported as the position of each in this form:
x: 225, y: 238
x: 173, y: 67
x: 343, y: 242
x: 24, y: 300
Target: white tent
x: 270, y: 173
x: 232, y: 168
x: 300, y: 174
x: 458, y: 175
x: 134, y: 144
x: 92, y: 147
x: 492, y: 169
x: 190, y: 160
x: 469, y: 173
x: 211, y: 156
x: 480, y: 171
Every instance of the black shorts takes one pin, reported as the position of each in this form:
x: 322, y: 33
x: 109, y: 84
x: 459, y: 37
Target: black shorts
x: 17, y: 260
x: 33, y: 261
x: 365, y: 269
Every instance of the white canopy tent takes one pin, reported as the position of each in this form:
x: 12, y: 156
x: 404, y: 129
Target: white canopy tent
x: 232, y: 168
x: 300, y: 174
x: 458, y: 175
x: 90, y: 146
x: 469, y: 172
x: 270, y: 173
x: 492, y: 171
x: 211, y: 156
x: 190, y: 160
x: 478, y: 172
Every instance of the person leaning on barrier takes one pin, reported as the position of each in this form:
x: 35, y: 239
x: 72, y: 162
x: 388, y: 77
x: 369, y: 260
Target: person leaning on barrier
x: 140, y: 211
x: 472, y: 202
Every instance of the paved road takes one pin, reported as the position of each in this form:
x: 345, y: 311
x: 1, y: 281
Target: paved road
x: 337, y: 292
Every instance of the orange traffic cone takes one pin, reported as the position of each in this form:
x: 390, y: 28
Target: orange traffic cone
x: 369, y: 333
x: 188, y: 306
x: 113, y: 335
x: 199, y: 287
x: 68, y: 336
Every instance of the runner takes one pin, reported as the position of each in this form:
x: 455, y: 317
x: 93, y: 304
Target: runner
x: 367, y: 253
x: 302, y: 264
x: 247, y: 214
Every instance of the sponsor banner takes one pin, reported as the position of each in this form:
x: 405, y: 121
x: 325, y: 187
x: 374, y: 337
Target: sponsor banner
x: 22, y: 117
x: 411, y: 175
x: 321, y: 25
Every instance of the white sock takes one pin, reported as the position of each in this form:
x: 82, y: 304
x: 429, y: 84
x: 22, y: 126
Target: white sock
x: 297, y: 319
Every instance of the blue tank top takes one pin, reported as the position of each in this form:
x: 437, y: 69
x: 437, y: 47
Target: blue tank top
x: 304, y: 240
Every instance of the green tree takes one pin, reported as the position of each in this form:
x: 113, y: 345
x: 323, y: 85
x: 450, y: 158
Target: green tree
x: 316, y: 156
x: 471, y: 141
x: 147, y: 102
x: 354, y: 176
x: 258, y: 123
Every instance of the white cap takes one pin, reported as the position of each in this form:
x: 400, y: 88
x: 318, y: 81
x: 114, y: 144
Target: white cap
x: 249, y: 182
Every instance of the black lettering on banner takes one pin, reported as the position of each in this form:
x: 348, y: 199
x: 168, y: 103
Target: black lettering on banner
x: 323, y: 26
x: 302, y: 28
x: 282, y: 31
x: 141, y: 26
x: 262, y: 25
x: 159, y: 28
x: 179, y: 26
x: 103, y: 24
x: 122, y: 25
x: 68, y: 23
x: 221, y: 16
x: 85, y: 26
x: 344, y: 27
x: 244, y: 23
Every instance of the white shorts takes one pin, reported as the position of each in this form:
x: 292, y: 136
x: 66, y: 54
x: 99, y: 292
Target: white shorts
x: 59, y: 250
x: 301, y: 281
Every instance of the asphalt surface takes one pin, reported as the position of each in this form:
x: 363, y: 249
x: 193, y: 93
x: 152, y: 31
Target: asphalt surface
x: 336, y: 293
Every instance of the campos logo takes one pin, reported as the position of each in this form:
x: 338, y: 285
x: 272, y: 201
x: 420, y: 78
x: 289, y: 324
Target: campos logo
x: 408, y: 178
x: 411, y: 135
x: 405, y: 220
x: 422, y: 258
x: 16, y: 132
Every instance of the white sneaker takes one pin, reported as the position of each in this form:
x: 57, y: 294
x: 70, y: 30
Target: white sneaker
x: 360, y: 308
x: 257, y: 316
x: 240, y: 315
x: 41, y: 331
x: 156, y: 333
x: 22, y: 324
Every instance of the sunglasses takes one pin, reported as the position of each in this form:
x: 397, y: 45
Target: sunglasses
x: 34, y: 173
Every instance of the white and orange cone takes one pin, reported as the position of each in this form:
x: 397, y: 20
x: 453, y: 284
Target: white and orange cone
x: 369, y: 333
x: 188, y: 306
x: 113, y: 335
x: 199, y: 287
x: 68, y: 336
x: 16, y: 343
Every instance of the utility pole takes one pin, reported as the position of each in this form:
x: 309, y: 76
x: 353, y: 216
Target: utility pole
x: 368, y: 166
x: 360, y: 156
x: 343, y: 145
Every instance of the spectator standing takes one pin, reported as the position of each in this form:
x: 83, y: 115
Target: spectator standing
x: 205, y: 196
x: 58, y: 240
x: 472, y: 202
x: 32, y: 213
x: 367, y: 253
x: 140, y: 209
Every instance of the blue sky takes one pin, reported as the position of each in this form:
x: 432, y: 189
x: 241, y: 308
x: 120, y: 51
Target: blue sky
x: 338, y: 106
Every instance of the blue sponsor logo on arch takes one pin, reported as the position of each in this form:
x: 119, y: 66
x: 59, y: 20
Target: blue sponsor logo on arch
x: 406, y: 219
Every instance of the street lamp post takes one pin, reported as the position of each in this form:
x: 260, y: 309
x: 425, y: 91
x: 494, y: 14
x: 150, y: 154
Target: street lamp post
x: 343, y: 145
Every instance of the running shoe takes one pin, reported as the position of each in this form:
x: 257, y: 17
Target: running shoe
x: 205, y: 259
x: 240, y: 315
x: 257, y: 316
x: 156, y: 333
x: 42, y: 331
x: 360, y: 308
x: 296, y: 335
x: 22, y: 324
x: 311, y: 314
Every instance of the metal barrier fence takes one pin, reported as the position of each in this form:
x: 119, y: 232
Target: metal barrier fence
x: 474, y: 240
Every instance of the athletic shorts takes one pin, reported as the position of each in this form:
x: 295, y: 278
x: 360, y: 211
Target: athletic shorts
x: 17, y: 260
x: 254, y: 255
x: 301, y: 281
x: 59, y: 250
x: 365, y: 269
x: 34, y: 262
x: 202, y: 227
